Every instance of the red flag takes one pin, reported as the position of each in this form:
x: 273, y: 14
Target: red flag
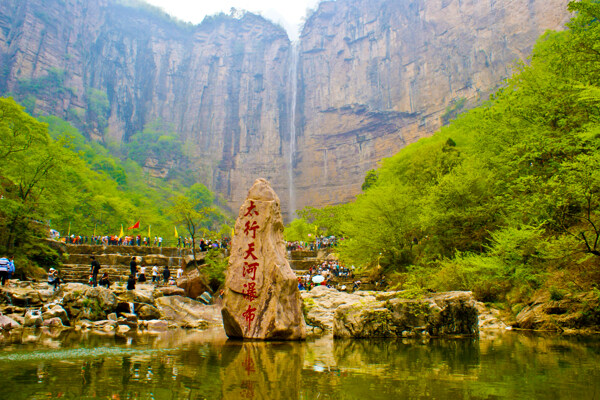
x: 135, y: 226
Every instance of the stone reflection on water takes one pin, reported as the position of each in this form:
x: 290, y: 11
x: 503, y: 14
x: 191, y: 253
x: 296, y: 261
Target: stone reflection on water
x: 259, y: 370
x: 205, y: 365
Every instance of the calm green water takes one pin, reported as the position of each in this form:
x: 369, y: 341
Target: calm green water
x: 204, y: 365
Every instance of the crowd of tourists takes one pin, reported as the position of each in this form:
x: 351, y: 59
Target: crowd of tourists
x: 323, y: 273
x: 321, y: 242
x: 138, y: 240
x: 203, y: 244
x: 137, y: 274
x: 113, y: 240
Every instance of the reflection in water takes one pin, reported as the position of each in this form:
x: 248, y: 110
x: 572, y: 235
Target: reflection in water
x: 205, y: 365
x: 259, y: 370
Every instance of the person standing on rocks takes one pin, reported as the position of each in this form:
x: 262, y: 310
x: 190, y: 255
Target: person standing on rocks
x: 155, y: 274
x: 142, y: 275
x: 53, y: 278
x: 11, y: 267
x: 133, y: 266
x: 95, y: 269
x: 131, y: 282
x: 166, y: 274
x: 4, y: 267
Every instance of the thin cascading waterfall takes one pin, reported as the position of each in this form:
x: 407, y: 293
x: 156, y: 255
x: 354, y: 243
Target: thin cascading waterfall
x: 294, y: 92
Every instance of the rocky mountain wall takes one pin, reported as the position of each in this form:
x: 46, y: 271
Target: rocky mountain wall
x: 372, y: 76
x: 112, y: 69
x: 377, y: 75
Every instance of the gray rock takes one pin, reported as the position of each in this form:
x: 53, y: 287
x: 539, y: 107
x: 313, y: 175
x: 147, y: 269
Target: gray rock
x: 193, y: 283
x: 572, y: 312
x: 93, y: 303
x: 33, y: 318
x: 186, y: 312
x: 137, y: 296
x: 106, y: 325
x: 56, y: 311
x: 156, y: 325
x: 452, y: 313
x: 53, y: 322
x: 130, y: 317
x: 171, y: 291
x: 320, y: 304
x: 148, y: 312
x: 205, y: 298
x: 261, y: 299
x: 7, y: 323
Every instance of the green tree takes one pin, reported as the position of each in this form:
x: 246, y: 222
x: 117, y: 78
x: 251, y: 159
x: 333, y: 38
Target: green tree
x: 18, y: 130
x: 186, y: 212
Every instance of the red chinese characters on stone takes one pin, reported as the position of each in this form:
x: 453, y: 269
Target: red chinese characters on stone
x: 249, y: 314
x: 250, y: 268
x: 250, y: 252
x: 251, y: 210
x: 250, y: 293
x: 251, y: 227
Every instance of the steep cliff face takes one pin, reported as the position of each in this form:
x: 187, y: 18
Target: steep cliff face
x: 373, y: 75
x: 378, y: 74
x: 111, y: 69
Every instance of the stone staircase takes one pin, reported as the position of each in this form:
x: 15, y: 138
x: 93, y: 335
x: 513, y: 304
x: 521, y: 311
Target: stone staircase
x: 115, y: 260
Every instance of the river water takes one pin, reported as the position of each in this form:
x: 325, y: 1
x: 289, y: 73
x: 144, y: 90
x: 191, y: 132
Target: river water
x: 204, y: 365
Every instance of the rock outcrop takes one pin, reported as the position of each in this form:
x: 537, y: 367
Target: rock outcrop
x: 452, y: 313
x: 187, y: 312
x: 372, y: 76
x: 261, y: 300
x: 193, y: 283
x: 568, y: 313
x: 321, y: 302
x: 377, y: 75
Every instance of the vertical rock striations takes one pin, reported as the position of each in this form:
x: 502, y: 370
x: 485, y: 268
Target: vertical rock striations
x: 111, y: 69
x: 373, y: 76
x: 378, y: 74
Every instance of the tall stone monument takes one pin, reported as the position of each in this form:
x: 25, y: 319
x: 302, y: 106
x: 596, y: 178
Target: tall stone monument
x: 262, y: 300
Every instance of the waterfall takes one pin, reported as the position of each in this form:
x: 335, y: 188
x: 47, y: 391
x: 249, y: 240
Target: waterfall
x: 292, y: 113
x: 325, y: 167
x: 131, y: 308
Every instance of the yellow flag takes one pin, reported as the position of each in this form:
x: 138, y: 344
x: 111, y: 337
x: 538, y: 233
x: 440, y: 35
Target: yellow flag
x: 176, y: 235
x: 122, y: 233
x: 149, y: 231
x: 232, y: 232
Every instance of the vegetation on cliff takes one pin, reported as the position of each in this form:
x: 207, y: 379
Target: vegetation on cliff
x: 504, y: 201
x: 53, y: 177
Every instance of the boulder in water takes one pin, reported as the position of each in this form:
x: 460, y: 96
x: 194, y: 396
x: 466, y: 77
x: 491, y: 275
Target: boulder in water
x: 193, y: 283
x: 148, y: 312
x: 189, y: 313
x: 261, y: 300
x: 7, y: 323
x: 54, y: 322
x: 93, y: 304
x: 33, y: 318
x: 56, y: 311
x: 171, y: 291
x: 450, y: 313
